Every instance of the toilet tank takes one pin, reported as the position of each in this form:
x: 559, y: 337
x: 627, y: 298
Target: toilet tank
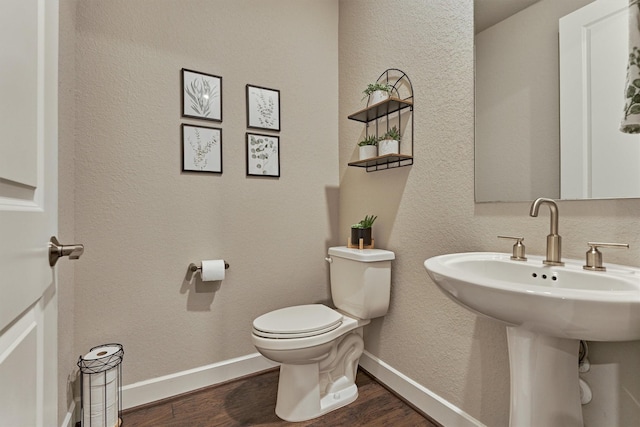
x: 361, y: 280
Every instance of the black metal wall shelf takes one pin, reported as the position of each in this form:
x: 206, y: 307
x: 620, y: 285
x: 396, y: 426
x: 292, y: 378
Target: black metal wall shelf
x: 382, y: 113
x: 381, y: 109
x: 388, y: 161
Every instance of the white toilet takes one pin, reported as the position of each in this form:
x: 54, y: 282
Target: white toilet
x: 319, y: 347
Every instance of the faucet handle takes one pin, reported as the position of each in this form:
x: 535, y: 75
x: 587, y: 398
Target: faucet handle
x: 594, y: 256
x: 518, y: 248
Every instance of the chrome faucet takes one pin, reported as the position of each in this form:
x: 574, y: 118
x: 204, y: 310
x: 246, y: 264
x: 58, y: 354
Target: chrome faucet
x: 554, y: 241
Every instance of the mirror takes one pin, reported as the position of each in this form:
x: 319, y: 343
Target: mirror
x: 523, y: 150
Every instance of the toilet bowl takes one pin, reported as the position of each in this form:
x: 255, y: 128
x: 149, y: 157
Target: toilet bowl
x: 319, y: 347
x: 316, y: 329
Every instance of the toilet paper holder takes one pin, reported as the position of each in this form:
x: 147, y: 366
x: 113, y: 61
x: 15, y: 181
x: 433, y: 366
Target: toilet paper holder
x: 193, y: 267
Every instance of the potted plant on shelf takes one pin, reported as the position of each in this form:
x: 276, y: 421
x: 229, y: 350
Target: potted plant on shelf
x: 390, y: 142
x: 368, y: 147
x: 377, y: 92
x: 362, y: 230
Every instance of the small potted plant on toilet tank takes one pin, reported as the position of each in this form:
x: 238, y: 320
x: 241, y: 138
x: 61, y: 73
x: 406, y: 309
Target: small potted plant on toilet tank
x: 362, y: 230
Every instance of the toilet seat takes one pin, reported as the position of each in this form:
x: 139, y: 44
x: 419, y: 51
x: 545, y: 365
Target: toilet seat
x: 297, y: 322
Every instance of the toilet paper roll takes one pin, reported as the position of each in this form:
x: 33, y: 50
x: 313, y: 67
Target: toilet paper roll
x: 101, y: 359
x: 100, y: 399
x: 102, y: 378
x: 212, y: 269
x: 101, y: 352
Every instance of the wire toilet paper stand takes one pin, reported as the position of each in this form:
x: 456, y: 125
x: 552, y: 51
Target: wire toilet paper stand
x: 100, y: 384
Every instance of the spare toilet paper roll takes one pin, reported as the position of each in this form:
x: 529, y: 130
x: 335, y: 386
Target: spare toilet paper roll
x: 100, y: 399
x: 101, y: 352
x: 212, y: 269
x: 101, y: 358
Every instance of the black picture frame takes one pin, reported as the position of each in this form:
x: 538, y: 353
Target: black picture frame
x: 263, y: 155
x: 263, y: 108
x: 201, y: 149
x: 201, y: 95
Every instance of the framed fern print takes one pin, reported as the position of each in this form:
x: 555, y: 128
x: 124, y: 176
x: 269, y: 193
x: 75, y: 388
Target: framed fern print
x: 201, y: 95
x: 263, y: 108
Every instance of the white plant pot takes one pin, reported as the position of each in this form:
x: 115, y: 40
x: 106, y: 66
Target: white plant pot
x: 368, y: 151
x: 378, y: 96
x: 388, y: 146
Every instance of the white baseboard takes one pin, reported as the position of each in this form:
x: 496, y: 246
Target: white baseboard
x: 147, y: 391
x: 425, y: 400
x: 419, y: 396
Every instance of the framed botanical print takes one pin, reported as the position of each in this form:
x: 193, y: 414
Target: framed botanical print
x: 263, y: 155
x: 201, y: 149
x: 201, y: 95
x: 263, y: 108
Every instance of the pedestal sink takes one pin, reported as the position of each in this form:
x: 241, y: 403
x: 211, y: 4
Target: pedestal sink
x: 547, y: 311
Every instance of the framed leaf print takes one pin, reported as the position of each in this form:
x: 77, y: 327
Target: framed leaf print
x: 263, y: 155
x: 263, y: 108
x: 201, y: 95
x: 201, y: 149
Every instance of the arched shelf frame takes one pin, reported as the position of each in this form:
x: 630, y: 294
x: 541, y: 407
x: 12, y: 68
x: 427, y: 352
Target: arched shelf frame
x: 380, y: 117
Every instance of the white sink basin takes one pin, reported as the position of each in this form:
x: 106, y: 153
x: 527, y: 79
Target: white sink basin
x: 547, y: 310
x: 565, y: 302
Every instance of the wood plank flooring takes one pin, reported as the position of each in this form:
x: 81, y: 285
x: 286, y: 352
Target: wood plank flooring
x: 251, y: 402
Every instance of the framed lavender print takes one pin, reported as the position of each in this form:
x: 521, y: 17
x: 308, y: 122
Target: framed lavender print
x: 201, y: 149
x: 263, y: 108
x: 201, y: 95
x: 263, y: 155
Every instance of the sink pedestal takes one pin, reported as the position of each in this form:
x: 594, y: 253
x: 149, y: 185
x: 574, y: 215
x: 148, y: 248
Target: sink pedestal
x: 545, y: 388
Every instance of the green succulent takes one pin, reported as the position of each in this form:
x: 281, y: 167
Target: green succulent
x: 392, y: 133
x: 369, y: 140
x: 367, y: 222
x: 372, y: 87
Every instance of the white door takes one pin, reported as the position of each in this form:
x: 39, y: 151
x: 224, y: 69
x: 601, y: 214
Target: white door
x: 28, y: 211
x: 596, y: 159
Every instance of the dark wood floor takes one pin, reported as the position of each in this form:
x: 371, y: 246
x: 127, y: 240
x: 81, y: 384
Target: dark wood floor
x: 251, y: 402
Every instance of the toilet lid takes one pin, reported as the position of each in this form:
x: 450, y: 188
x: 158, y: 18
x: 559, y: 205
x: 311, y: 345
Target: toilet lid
x: 297, y: 321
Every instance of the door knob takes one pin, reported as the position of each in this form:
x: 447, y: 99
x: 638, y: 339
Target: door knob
x: 56, y: 250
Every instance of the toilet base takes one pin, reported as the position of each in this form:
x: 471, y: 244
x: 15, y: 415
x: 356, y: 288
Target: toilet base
x: 299, y: 399
x: 311, y: 390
